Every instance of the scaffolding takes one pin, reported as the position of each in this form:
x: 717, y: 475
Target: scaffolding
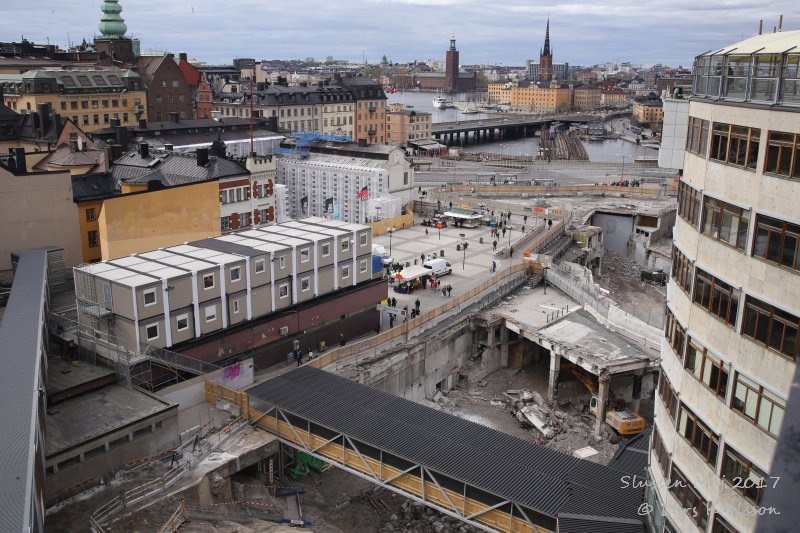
x: 302, y: 140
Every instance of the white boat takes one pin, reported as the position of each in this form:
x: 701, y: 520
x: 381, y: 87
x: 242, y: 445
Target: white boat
x: 440, y: 102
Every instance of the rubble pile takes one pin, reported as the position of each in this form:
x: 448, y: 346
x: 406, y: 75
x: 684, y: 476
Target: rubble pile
x: 532, y: 411
x: 415, y: 517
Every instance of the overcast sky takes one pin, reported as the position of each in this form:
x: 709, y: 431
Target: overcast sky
x: 581, y: 31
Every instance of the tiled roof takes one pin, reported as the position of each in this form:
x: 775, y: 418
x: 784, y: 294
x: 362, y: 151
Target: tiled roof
x: 92, y: 186
x: 172, y: 168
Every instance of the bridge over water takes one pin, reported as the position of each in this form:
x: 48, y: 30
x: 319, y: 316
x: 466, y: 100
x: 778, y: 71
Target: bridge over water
x: 505, y: 127
x: 489, y: 479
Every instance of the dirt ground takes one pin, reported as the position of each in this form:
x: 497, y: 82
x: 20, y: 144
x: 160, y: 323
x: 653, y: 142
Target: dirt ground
x: 621, y: 277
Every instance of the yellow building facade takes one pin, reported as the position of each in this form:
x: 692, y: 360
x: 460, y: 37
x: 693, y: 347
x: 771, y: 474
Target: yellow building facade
x: 90, y: 98
x: 403, y: 125
x: 650, y: 114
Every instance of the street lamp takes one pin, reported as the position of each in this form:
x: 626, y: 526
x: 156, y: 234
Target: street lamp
x: 622, y: 174
x: 391, y: 232
x: 464, y: 248
x: 545, y: 278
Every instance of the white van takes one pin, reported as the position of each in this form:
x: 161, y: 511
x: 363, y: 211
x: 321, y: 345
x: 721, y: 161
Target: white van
x: 440, y: 267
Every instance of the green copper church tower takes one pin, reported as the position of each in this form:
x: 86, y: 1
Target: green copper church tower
x: 112, y: 25
x: 113, y: 41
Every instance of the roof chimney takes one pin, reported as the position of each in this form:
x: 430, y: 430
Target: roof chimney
x: 22, y: 165
x: 174, y: 116
x: 169, y: 147
x: 183, y: 56
x: 202, y: 157
x: 144, y: 150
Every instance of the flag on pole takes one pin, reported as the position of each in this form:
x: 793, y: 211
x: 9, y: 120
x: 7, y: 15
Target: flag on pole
x: 363, y: 194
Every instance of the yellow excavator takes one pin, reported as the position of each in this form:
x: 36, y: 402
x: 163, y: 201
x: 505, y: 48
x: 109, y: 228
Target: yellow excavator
x: 618, y: 418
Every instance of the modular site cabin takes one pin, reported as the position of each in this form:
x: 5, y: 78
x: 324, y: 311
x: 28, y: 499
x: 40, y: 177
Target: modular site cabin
x: 171, y: 296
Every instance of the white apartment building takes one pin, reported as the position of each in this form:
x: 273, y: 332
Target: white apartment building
x: 731, y: 348
x: 673, y: 133
x: 326, y: 186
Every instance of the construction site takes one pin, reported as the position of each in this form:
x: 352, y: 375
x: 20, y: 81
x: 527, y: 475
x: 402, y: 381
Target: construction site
x: 537, y: 367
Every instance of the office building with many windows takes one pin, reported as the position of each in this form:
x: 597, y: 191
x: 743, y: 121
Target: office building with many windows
x: 731, y: 350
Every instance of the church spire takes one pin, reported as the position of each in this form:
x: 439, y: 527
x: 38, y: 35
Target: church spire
x: 112, y: 25
x: 546, y: 51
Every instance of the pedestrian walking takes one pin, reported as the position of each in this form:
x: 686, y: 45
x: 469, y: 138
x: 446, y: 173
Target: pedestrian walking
x: 511, y: 251
x: 494, y: 245
x: 299, y: 358
x: 523, y: 228
x: 416, y: 305
x: 341, y: 339
x: 426, y: 233
x: 394, y: 302
x: 504, y: 232
x: 405, y: 312
x: 494, y: 266
x: 509, y: 214
x: 391, y: 321
x: 444, y: 292
x: 549, y: 223
x: 449, y: 289
x: 421, y: 258
x: 525, y: 219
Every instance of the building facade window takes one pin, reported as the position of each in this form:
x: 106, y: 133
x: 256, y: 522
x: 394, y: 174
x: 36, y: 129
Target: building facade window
x: 783, y: 154
x: 774, y: 328
x: 716, y: 297
x: 700, y: 437
x: 94, y: 239
x: 260, y: 266
x: 236, y: 307
x: 682, y: 270
x: 326, y: 250
x: 660, y: 452
x: 345, y: 245
x: 91, y: 214
x: 721, y: 525
x: 283, y: 290
x: 305, y: 284
x: 305, y: 255
x: 210, y: 313
x: 725, y: 222
x: 282, y: 262
x: 668, y: 396
x: 225, y: 223
x: 345, y: 272
x: 735, y: 145
x: 689, y: 202
x: 236, y: 274
x: 760, y: 406
x: 777, y: 241
x: 182, y: 322
x: 149, y: 297
x: 675, y: 334
x: 151, y: 331
x: 709, y: 369
x: 208, y: 281
x: 697, y: 137
x: 744, y: 477
x: 689, y: 498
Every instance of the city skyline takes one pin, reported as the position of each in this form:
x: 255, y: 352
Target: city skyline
x: 507, y: 34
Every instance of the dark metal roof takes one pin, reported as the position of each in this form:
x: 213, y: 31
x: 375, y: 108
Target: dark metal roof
x: 92, y: 186
x: 632, y: 456
x: 172, y: 168
x: 20, y: 344
x: 533, y: 476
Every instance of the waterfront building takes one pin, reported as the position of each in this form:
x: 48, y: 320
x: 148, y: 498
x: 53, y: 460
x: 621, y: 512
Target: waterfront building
x: 730, y: 351
x: 453, y: 79
x: 649, y: 113
x: 403, y: 125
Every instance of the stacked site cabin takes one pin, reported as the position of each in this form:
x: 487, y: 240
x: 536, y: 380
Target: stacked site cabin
x: 172, y: 295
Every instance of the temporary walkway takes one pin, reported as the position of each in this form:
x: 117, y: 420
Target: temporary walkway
x: 484, y: 477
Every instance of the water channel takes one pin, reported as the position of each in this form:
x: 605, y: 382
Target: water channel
x: 611, y: 150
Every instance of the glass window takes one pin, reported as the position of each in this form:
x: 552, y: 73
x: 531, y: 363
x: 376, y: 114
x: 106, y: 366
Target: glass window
x: 721, y: 525
x: 682, y: 270
x: 699, y: 436
x: 689, y: 498
x: 305, y: 255
x: 662, y: 456
x: 152, y: 332
x: 282, y: 262
x: 743, y: 476
x: 783, y: 154
x: 362, y: 239
x: 760, y: 406
x: 716, y: 297
x: 735, y: 145
x: 236, y: 307
x: 305, y: 284
x: 736, y: 74
x: 345, y: 272
x: 725, y: 222
x: 774, y: 328
x: 790, y: 87
x: 689, y: 202
x: 345, y: 245
x: 94, y: 239
x: 283, y: 290
x: 208, y: 281
x: 236, y: 274
x: 260, y: 266
x: 709, y: 369
x: 675, y: 334
x: 149, y: 297
x: 91, y: 214
x: 182, y: 322
x: 777, y: 241
x: 697, y: 138
x: 363, y: 266
x: 210, y: 313
x: 326, y: 250
x: 668, y: 396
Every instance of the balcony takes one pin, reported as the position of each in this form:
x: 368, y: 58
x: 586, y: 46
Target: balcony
x: 373, y: 108
x: 372, y: 132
